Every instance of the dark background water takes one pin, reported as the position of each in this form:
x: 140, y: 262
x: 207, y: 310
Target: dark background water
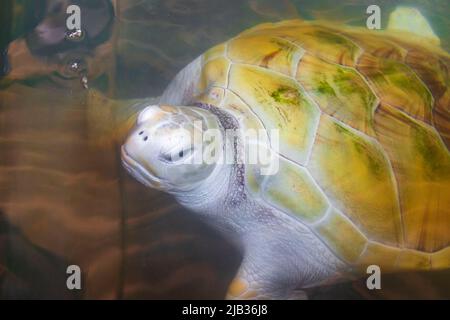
x: 64, y: 198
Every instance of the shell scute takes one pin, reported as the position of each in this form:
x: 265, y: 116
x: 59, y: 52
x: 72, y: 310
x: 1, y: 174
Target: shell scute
x: 397, y: 85
x: 265, y: 51
x: 376, y: 253
x: 435, y: 72
x: 281, y: 105
x: 215, y: 52
x: 413, y: 260
x: 341, y: 236
x: 214, y: 73
x: 421, y: 163
x: 294, y: 191
x: 318, y: 40
x: 353, y: 172
x: 339, y: 91
x: 441, y: 259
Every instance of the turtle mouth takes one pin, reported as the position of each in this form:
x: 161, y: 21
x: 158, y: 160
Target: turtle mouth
x: 138, y: 171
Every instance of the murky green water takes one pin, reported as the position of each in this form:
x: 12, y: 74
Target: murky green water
x: 64, y: 197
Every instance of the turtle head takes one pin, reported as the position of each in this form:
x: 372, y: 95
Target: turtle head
x: 165, y: 150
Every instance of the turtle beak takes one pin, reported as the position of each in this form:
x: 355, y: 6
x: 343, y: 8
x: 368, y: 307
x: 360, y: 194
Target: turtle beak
x: 143, y: 175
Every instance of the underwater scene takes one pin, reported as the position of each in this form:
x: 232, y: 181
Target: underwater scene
x: 105, y: 193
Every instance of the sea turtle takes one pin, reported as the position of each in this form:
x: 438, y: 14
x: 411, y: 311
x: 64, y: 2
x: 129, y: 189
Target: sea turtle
x: 361, y: 145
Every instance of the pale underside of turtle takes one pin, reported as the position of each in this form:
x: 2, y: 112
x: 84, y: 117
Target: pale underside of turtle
x: 364, y: 127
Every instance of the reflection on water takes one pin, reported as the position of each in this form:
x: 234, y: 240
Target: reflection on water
x: 64, y: 197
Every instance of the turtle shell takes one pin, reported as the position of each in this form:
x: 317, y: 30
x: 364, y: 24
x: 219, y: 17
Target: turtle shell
x: 364, y: 130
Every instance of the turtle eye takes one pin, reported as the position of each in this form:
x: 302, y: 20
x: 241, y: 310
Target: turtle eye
x: 174, y: 157
x: 167, y: 157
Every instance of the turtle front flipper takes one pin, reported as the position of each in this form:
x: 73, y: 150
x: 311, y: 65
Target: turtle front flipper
x: 272, y: 268
x: 262, y: 275
x: 263, y: 283
x: 243, y: 289
x: 240, y: 288
x: 249, y: 284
